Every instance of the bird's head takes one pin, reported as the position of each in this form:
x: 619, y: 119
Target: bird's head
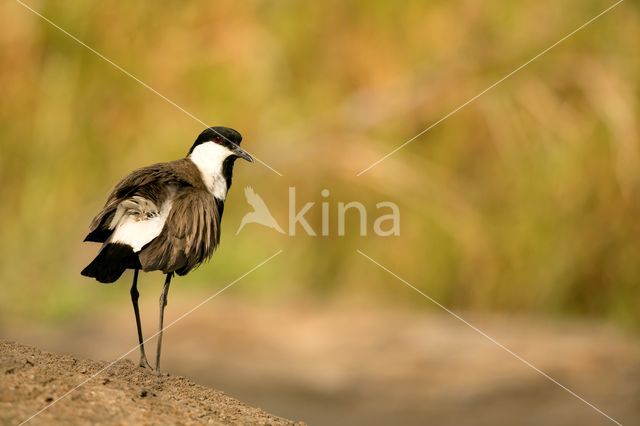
x: 224, y: 141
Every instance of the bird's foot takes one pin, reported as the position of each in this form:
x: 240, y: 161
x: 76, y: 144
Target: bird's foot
x: 144, y: 363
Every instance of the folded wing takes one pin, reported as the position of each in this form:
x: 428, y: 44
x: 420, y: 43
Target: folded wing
x: 139, y: 196
x: 189, y: 236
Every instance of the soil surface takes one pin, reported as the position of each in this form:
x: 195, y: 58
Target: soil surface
x: 32, y: 380
x: 326, y: 365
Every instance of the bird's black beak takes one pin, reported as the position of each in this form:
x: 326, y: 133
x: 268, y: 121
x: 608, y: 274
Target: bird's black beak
x: 239, y: 152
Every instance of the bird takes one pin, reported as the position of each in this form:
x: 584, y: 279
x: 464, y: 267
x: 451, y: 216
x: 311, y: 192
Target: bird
x: 165, y: 217
x: 260, y: 213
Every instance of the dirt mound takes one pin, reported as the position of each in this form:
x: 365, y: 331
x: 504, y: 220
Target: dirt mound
x: 31, y: 380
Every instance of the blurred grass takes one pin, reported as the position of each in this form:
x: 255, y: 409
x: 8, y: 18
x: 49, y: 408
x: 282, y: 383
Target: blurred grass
x: 527, y: 200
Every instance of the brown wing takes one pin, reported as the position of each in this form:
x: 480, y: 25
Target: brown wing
x: 149, y: 183
x: 190, y: 235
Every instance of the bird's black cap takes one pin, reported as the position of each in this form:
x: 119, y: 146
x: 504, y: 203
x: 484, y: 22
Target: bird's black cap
x: 224, y: 135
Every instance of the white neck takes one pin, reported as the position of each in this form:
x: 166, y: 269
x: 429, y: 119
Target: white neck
x: 208, y: 157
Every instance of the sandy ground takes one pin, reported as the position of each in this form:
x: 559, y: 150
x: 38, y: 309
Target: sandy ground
x: 332, y: 365
x: 122, y: 394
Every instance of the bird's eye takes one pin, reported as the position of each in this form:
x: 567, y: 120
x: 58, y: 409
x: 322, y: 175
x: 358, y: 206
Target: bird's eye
x: 217, y: 139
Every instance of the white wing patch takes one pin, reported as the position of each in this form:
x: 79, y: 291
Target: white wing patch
x: 138, y: 226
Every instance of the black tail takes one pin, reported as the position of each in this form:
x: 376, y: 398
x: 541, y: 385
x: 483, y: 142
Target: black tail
x: 111, y: 262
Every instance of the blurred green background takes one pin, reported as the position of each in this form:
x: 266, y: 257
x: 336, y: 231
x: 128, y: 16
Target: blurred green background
x: 525, y: 201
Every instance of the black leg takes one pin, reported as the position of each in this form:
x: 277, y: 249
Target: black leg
x: 134, y: 299
x: 163, y: 303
